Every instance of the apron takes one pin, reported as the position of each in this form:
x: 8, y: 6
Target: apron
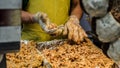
x: 57, y: 11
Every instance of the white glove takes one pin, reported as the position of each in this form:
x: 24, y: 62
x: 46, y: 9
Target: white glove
x: 114, y: 51
x: 96, y: 8
x: 74, y: 30
x: 48, y: 26
x: 44, y: 22
x: 107, y: 28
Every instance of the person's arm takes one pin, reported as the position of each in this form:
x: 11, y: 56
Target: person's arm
x: 76, y: 9
x: 26, y: 17
x: 72, y: 27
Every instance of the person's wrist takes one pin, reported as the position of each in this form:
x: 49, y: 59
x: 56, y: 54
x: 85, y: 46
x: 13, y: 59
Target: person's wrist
x: 35, y: 18
x: 74, y: 18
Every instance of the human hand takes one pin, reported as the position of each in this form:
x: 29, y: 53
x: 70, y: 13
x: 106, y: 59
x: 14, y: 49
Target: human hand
x: 44, y: 22
x: 74, y: 30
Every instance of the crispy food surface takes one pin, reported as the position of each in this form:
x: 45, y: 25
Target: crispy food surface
x: 85, y: 55
x: 27, y: 57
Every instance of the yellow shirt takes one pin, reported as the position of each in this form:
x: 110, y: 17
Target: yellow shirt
x: 57, y: 11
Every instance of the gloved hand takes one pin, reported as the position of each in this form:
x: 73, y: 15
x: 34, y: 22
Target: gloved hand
x: 74, y: 30
x: 44, y: 22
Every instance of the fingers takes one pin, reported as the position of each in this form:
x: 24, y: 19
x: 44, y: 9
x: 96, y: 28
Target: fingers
x: 75, y: 34
x: 78, y: 34
x: 65, y: 32
x: 70, y: 30
x: 74, y: 31
x: 44, y: 18
x: 82, y: 34
x: 51, y: 26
